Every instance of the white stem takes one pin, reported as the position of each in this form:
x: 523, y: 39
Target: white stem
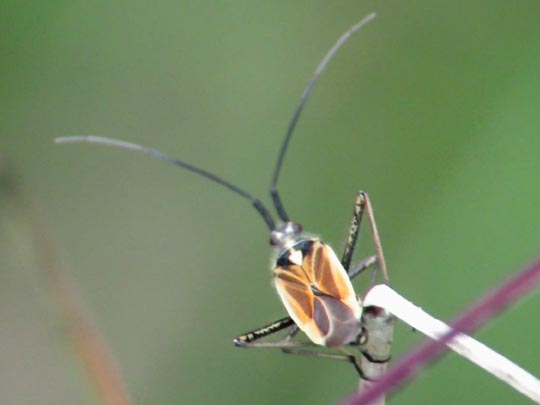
x: 491, y: 361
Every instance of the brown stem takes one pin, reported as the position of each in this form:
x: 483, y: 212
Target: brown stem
x: 87, y: 341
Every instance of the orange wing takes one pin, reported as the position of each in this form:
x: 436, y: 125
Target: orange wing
x: 317, y: 292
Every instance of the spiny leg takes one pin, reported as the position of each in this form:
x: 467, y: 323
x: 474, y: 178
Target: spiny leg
x: 353, y: 231
x: 362, y: 203
x: 248, y: 338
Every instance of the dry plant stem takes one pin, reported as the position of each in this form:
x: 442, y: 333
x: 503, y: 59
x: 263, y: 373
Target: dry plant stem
x: 379, y: 327
x: 473, y: 350
x: 462, y: 344
x: 89, y: 345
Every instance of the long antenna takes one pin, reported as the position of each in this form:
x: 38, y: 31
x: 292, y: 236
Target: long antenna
x: 159, y: 155
x: 292, y: 124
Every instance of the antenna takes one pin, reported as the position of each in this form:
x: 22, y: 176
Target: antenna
x: 292, y: 124
x: 159, y: 155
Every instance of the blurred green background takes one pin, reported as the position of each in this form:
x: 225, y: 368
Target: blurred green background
x: 433, y: 108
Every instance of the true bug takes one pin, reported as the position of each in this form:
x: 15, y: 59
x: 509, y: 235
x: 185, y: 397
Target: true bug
x: 313, y: 284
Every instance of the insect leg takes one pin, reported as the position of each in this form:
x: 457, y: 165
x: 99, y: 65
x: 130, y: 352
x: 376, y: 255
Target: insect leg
x: 358, y: 211
x: 333, y: 356
x: 374, y: 233
x: 248, y: 338
x: 300, y: 348
x: 362, y: 203
x: 363, y: 265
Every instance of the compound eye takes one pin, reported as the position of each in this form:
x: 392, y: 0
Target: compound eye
x: 274, y: 240
x: 297, y: 228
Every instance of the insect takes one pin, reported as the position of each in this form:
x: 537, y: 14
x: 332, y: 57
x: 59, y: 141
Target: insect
x: 313, y: 284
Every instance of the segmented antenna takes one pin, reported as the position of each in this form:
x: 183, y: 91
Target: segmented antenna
x: 261, y: 209
x: 292, y: 124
